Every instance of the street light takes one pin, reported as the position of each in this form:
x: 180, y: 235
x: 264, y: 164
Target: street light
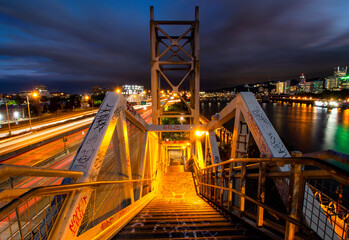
x: 87, y: 97
x: 34, y: 94
x: 8, y: 119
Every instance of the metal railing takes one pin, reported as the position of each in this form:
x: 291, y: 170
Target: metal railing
x: 32, y: 215
x: 7, y: 171
x: 317, y: 194
x: 14, y: 172
x: 19, y: 222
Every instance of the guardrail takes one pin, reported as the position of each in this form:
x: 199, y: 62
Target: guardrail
x: 16, y: 223
x: 33, y: 214
x: 7, y: 171
x: 318, y: 194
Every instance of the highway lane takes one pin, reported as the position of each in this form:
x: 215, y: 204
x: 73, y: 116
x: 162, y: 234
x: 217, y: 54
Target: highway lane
x: 13, y: 144
x: 38, y: 156
x: 46, y: 123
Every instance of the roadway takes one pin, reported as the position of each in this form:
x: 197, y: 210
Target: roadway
x: 11, y: 145
x: 45, y: 123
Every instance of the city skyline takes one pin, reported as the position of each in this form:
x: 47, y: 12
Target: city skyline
x: 73, y: 46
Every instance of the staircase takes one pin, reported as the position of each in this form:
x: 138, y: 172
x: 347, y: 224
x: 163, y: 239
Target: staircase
x: 178, y: 213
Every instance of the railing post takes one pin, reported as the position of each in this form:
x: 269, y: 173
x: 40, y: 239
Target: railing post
x: 261, y: 192
x: 17, y: 214
x: 295, y: 193
x: 242, y: 187
x: 221, y: 184
x: 230, y: 186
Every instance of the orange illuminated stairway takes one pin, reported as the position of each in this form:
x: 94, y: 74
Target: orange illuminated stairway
x: 178, y: 213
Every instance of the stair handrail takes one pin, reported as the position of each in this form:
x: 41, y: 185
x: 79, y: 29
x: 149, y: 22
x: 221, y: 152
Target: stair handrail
x: 56, y: 190
x: 336, y: 172
x: 324, y: 170
x: 7, y: 171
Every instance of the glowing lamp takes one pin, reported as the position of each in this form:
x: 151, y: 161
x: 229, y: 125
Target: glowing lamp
x: 16, y: 115
x: 199, y: 133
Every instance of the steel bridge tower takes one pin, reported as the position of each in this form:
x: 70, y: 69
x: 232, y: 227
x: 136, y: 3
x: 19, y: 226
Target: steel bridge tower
x: 178, y: 54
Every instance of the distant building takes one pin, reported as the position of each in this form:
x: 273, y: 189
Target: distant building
x: 42, y: 90
x: 332, y: 83
x: 338, y: 81
x: 317, y: 86
x: 307, y: 87
x: 301, y: 84
x: 293, y: 89
x: 340, y: 71
x: 132, y: 89
x: 283, y: 87
x: 23, y: 94
x: 59, y: 94
x: 344, y: 82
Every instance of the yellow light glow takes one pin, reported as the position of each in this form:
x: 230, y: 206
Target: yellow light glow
x: 162, y: 91
x: 200, y: 133
x: 35, y: 94
x: 86, y: 97
x: 184, y: 147
x: 144, y: 92
x: 118, y: 90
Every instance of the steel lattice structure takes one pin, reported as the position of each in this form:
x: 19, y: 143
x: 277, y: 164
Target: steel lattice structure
x: 181, y: 54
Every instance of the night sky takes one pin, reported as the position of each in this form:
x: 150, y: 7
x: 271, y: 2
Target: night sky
x: 74, y: 45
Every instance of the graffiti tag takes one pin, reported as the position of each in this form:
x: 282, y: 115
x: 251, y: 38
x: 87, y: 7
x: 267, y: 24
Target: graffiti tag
x: 107, y: 223
x: 78, y: 215
x: 102, y: 117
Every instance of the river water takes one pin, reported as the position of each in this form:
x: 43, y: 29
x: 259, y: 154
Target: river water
x: 301, y: 127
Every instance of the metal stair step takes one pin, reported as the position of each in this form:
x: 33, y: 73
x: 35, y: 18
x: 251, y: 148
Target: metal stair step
x: 175, y: 221
x: 164, y: 232
x: 188, y: 225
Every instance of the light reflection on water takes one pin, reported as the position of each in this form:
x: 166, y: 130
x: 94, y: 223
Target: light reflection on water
x: 302, y: 127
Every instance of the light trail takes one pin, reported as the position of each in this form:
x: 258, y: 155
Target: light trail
x: 14, y: 144
x: 48, y: 124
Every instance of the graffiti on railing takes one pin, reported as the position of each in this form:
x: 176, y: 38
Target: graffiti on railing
x: 107, y: 223
x: 78, y: 215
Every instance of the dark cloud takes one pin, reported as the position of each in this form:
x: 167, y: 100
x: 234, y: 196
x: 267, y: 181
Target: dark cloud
x: 74, y: 45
